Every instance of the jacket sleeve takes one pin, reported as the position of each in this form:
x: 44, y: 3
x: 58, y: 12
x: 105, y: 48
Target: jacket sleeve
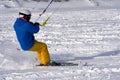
x: 32, y: 28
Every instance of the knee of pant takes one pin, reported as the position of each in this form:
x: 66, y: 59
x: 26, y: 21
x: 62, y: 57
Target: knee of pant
x: 45, y: 45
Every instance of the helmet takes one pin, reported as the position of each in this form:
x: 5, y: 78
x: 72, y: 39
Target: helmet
x: 25, y: 12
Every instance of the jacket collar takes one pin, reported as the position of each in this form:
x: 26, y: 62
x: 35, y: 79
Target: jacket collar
x: 23, y: 18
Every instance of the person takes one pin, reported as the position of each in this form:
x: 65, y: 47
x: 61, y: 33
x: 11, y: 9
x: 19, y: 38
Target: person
x: 25, y: 31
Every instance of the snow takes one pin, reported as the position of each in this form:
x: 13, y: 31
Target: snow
x: 88, y: 31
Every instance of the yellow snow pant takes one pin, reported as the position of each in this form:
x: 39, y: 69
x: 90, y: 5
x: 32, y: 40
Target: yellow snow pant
x: 42, y: 52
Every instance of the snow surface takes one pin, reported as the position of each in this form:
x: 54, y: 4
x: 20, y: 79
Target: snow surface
x: 81, y: 30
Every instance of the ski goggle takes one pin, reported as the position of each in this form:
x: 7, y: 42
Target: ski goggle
x: 24, y: 14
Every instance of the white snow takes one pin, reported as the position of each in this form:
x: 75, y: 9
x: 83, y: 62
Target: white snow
x: 80, y: 30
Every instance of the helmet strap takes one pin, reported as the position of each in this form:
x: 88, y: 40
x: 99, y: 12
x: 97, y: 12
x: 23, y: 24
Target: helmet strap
x: 27, y: 17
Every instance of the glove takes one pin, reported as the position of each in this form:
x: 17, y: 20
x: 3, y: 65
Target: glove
x: 36, y: 24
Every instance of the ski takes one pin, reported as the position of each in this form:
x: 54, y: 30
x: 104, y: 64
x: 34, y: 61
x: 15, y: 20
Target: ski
x: 67, y: 64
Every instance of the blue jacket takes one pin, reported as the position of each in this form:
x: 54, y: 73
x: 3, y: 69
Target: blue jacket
x: 24, y: 31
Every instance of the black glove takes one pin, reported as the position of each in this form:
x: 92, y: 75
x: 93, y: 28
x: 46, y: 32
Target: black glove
x: 36, y: 24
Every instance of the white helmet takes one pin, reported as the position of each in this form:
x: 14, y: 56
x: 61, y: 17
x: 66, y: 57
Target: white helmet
x: 25, y: 12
